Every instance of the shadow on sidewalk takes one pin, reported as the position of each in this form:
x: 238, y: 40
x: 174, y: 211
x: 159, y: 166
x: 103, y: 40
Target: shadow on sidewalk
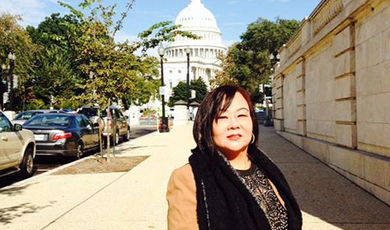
x: 322, y: 193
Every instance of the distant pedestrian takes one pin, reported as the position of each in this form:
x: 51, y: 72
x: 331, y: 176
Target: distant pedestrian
x: 229, y: 183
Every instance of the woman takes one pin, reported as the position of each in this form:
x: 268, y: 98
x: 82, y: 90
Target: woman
x: 229, y: 183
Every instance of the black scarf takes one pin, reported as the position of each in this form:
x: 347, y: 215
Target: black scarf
x: 224, y: 202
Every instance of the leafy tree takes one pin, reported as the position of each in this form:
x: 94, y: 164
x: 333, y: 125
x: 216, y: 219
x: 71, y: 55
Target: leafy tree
x: 58, y: 71
x: 14, y: 39
x: 180, y: 91
x: 247, y: 63
x: 114, y: 72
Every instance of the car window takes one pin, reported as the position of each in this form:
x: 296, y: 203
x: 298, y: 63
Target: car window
x: 5, y: 124
x: 49, y: 120
x: 82, y: 121
x: 86, y: 121
x: 26, y: 115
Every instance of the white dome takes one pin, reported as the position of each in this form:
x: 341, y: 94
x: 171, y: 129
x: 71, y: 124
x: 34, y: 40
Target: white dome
x: 197, y: 17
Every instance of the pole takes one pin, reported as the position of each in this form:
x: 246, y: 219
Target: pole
x: 164, y: 121
x: 163, y: 95
x: 188, y: 80
x: 11, y: 74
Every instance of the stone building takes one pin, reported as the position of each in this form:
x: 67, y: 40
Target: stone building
x: 195, y: 18
x: 332, y: 90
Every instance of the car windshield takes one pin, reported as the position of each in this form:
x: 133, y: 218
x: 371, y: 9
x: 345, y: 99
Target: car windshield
x: 49, y: 121
x: 25, y: 115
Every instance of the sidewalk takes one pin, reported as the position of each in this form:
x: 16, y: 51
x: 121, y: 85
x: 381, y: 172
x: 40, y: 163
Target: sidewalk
x: 136, y: 199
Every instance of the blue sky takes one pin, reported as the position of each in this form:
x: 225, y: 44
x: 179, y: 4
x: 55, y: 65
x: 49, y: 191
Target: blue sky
x: 232, y: 16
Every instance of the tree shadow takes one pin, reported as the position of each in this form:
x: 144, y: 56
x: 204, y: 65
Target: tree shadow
x: 8, y: 214
x: 14, y: 190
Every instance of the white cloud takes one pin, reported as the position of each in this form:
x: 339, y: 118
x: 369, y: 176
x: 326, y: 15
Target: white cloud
x: 31, y: 11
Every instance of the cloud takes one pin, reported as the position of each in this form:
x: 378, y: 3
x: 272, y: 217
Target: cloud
x: 32, y: 11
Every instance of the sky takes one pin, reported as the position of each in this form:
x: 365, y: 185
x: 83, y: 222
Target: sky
x: 232, y: 16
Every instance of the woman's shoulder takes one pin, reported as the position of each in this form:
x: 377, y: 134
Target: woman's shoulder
x: 183, y: 173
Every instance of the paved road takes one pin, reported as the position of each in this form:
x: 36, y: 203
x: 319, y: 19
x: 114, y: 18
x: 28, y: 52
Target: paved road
x: 46, y: 163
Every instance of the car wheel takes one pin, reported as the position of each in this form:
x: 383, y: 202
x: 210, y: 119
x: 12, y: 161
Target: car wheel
x: 79, y: 150
x: 27, y: 166
x: 127, y: 136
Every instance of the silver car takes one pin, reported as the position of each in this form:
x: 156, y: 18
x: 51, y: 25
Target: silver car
x: 17, y: 148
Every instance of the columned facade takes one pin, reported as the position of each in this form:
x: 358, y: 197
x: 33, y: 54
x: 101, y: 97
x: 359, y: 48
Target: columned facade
x: 197, y: 19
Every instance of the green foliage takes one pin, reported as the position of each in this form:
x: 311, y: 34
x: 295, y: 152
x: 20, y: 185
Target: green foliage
x: 247, y: 63
x: 180, y: 91
x: 36, y: 104
x: 16, y: 40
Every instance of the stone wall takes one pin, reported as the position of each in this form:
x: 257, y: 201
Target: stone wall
x: 332, y: 90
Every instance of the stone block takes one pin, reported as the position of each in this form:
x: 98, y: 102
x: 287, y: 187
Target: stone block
x: 279, y: 113
x: 345, y: 111
x: 375, y: 50
x: 301, y: 112
x: 318, y: 149
x: 278, y: 124
x: 298, y: 71
x: 361, y: 52
x: 278, y: 82
x: 342, y: 41
x: 374, y: 108
x: 300, y: 83
x: 374, y: 137
x: 349, y: 160
x: 342, y: 64
x: 344, y: 87
x: 279, y: 103
x: 278, y: 94
x: 346, y: 135
x: 295, y: 139
x: 300, y: 98
x: 375, y: 170
x: 302, y: 128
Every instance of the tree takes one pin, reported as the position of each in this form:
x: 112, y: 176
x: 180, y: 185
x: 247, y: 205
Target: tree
x: 180, y: 91
x: 14, y: 39
x: 57, y: 70
x: 247, y: 63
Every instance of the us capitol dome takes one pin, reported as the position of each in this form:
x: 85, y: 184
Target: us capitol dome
x: 197, y: 19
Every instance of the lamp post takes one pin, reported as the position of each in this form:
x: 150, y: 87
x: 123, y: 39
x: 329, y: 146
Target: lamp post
x: 163, y: 127
x: 188, y: 51
x: 3, y: 84
x: 12, y: 57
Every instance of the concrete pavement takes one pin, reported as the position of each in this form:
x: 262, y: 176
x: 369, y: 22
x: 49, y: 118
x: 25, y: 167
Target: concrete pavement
x: 136, y: 199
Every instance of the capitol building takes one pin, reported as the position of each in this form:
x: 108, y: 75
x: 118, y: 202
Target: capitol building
x: 197, y: 19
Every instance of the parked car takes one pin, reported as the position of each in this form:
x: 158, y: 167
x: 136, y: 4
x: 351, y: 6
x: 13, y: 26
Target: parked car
x: 26, y: 115
x: 17, y: 148
x: 65, y: 134
x: 122, y: 126
x: 91, y: 112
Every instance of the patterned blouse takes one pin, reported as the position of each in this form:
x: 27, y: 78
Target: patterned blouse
x: 261, y: 189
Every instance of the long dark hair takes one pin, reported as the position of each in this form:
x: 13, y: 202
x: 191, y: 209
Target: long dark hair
x: 208, y: 111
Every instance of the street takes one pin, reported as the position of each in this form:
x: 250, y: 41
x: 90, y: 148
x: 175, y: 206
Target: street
x: 45, y: 163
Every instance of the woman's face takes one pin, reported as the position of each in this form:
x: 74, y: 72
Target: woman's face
x: 232, y: 129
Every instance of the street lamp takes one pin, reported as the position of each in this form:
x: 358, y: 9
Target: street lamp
x: 12, y: 57
x: 3, y: 84
x: 188, y: 51
x: 163, y: 127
